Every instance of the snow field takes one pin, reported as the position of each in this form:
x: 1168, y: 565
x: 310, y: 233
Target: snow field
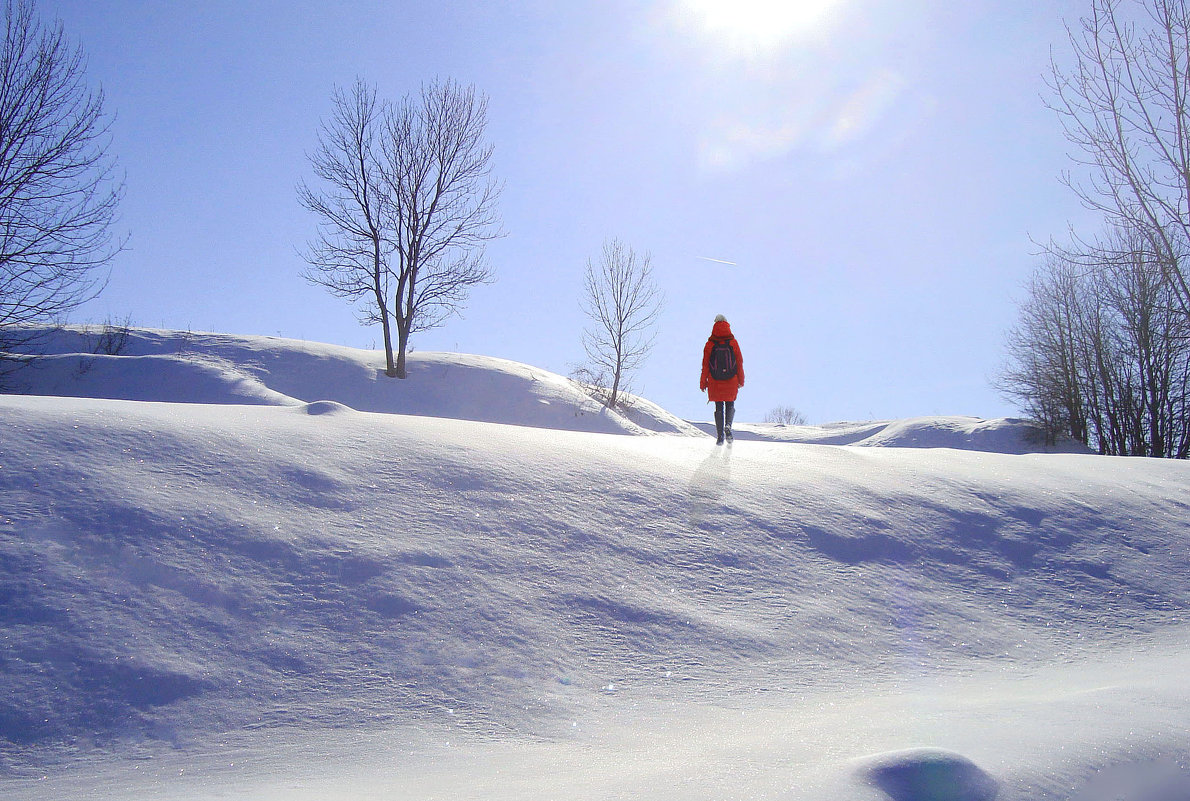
x: 296, y: 599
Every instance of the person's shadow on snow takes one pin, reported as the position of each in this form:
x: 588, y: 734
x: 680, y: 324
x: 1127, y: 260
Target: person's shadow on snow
x: 709, y: 484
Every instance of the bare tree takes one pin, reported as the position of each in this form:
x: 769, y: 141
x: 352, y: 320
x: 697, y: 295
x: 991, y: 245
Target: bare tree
x: 58, y: 191
x: 437, y: 175
x: 1043, y: 370
x: 1152, y: 341
x: 623, y: 304
x: 1102, y: 352
x: 786, y: 416
x: 1125, y: 104
x: 350, y: 256
x: 408, y: 207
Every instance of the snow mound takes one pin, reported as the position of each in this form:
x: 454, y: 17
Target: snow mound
x: 193, y: 378
x: 929, y: 774
x: 318, y: 408
x: 1000, y: 435
x: 186, y: 367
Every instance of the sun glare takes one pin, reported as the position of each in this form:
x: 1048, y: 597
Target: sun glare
x: 759, y: 24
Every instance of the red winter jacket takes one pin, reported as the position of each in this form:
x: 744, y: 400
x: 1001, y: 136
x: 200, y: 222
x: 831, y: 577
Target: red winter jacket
x: 721, y: 390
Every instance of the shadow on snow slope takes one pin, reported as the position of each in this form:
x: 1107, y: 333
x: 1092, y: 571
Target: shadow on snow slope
x: 172, y: 572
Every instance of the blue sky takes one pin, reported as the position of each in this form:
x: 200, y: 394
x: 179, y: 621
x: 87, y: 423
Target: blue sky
x: 876, y: 170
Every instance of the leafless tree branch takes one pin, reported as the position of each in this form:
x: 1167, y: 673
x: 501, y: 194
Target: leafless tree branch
x: 1124, y: 106
x: 409, y: 207
x: 58, y: 188
x: 623, y: 304
x: 1101, y: 351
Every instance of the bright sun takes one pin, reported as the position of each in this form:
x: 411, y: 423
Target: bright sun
x: 759, y: 24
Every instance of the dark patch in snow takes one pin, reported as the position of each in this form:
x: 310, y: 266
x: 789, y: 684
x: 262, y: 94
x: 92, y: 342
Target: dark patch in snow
x: 311, y: 479
x: 114, y: 691
x: 392, y: 606
x: 929, y: 774
x: 610, y: 612
x: 786, y: 533
x: 870, y: 546
x: 354, y: 569
x: 312, y: 487
x: 728, y: 560
x: 1093, y: 569
x: 18, y: 604
x: 138, y: 686
x: 425, y: 560
x: 23, y: 728
x: 270, y: 551
x: 284, y: 661
x: 987, y: 532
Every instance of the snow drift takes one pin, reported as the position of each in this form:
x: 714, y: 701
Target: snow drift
x: 186, y: 367
x: 297, y: 599
x: 1002, y: 435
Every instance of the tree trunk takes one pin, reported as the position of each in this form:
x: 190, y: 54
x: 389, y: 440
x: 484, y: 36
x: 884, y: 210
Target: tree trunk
x: 390, y: 368
x: 402, y: 346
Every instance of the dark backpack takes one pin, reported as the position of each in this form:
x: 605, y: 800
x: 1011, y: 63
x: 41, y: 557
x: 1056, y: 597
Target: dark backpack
x: 722, y: 361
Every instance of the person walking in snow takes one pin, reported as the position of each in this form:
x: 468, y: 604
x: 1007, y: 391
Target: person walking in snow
x: 722, y: 375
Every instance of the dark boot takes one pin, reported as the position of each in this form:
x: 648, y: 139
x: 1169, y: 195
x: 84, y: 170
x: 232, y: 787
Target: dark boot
x: 718, y: 423
x: 728, y: 419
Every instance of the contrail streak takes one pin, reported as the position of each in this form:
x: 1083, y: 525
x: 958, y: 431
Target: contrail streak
x: 718, y: 261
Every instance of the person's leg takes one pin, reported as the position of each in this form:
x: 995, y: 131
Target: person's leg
x: 718, y: 421
x: 729, y: 416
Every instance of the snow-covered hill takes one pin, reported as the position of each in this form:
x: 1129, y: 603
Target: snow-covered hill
x: 186, y: 367
x: 1002, y: 435
x: 292, y: 598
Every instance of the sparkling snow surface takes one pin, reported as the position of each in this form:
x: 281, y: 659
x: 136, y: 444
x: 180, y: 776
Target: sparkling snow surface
x: 312, y: 582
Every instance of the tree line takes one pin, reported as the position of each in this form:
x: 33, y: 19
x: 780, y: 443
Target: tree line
x: 1101, y: 352
x: 1101, y: 349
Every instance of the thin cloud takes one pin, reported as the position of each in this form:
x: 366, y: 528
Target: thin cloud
x: 866, y: 108
x: 737, y: 144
